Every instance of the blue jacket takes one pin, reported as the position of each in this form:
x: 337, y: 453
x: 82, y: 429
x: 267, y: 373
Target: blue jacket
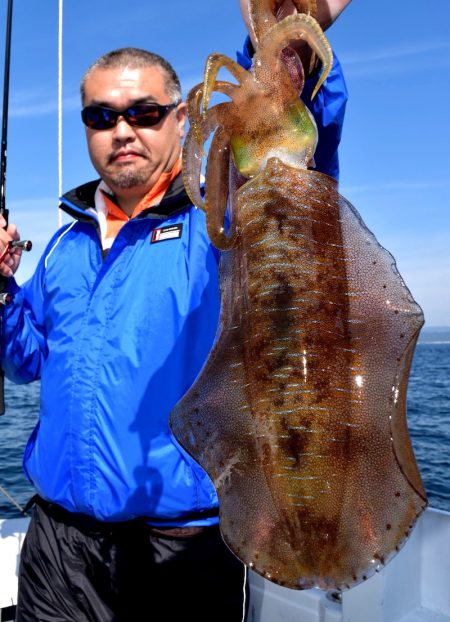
x: 116, y: 342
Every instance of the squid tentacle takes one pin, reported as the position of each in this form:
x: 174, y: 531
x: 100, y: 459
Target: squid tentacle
x: 217, y: 189
x: 264, y: 14
x: 193, y: 152
x: 191, y: 170
x: 194, y: 102
x: 213, y: 65
x: 195, y: 97
x: 309, y: 7
x: 298, y: 27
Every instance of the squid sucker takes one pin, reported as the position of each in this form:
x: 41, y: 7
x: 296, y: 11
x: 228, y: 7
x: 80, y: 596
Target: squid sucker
x: 299, y: 413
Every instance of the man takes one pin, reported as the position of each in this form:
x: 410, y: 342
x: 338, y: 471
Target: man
x: 117, y: 322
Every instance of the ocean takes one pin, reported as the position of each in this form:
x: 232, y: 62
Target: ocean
x: 428, y: 420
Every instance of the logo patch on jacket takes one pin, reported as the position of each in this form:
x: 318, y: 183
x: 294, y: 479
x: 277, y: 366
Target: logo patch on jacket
x: 171, y: 232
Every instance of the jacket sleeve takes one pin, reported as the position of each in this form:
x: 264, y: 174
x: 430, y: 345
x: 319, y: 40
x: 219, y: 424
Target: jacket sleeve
x: 327, y: 108
x: 23, y: 338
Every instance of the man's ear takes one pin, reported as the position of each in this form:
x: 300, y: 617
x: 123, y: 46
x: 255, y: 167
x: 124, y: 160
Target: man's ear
x: 181, y: 114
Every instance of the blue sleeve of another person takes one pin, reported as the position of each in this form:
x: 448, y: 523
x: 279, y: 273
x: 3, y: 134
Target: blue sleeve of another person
x: 328, y: 109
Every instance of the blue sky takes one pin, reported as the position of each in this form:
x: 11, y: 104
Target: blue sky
x: 395, y: 147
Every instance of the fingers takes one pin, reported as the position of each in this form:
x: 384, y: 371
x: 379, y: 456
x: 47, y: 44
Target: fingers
x: 10, y: 258
x: 329, y: 10
x: 10, y: 263
x: 12, y: 230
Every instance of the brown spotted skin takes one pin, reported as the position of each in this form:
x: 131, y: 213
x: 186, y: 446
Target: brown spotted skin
x: 299, y: 415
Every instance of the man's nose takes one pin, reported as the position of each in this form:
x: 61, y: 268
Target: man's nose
x: 123, y: 130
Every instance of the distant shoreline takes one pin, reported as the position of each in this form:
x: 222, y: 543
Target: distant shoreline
x: 435, y: 334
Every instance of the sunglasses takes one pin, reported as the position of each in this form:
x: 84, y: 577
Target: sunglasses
x: 140, y: 115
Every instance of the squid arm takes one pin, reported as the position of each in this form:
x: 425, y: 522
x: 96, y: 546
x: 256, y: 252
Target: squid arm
x: 213, y: 65
x: 297, y: 27
x: 263, y: 14
x: 200, y: 130
x: 217, y: 192
x: 194, y: 102
x: 193, y: 153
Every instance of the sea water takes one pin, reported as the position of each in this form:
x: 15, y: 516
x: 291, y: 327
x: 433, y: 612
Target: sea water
x: 428, y: 420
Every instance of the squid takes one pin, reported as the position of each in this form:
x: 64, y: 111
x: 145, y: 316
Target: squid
x: 299, y: 413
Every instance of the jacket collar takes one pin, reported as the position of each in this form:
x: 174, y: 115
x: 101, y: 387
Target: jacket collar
x: 79, y: 202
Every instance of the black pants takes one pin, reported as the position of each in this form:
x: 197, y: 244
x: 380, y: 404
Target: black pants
x: 83, y: 571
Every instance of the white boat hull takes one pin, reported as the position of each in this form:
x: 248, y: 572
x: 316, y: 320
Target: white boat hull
x: 414, y: 586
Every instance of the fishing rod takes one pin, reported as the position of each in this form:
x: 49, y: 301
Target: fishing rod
x: 13, y: 501
x: 3, y: 210
x: 5, y: 297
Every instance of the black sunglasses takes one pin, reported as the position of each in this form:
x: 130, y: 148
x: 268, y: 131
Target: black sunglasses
x: 141, y: 115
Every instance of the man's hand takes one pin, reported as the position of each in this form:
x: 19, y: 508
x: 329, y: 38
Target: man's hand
x: 327, y: 12
x: 11, y: 259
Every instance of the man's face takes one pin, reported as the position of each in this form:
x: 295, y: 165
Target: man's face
x: 131, y: 159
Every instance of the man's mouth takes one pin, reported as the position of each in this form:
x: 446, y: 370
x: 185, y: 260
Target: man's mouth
x: 124, y: 156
